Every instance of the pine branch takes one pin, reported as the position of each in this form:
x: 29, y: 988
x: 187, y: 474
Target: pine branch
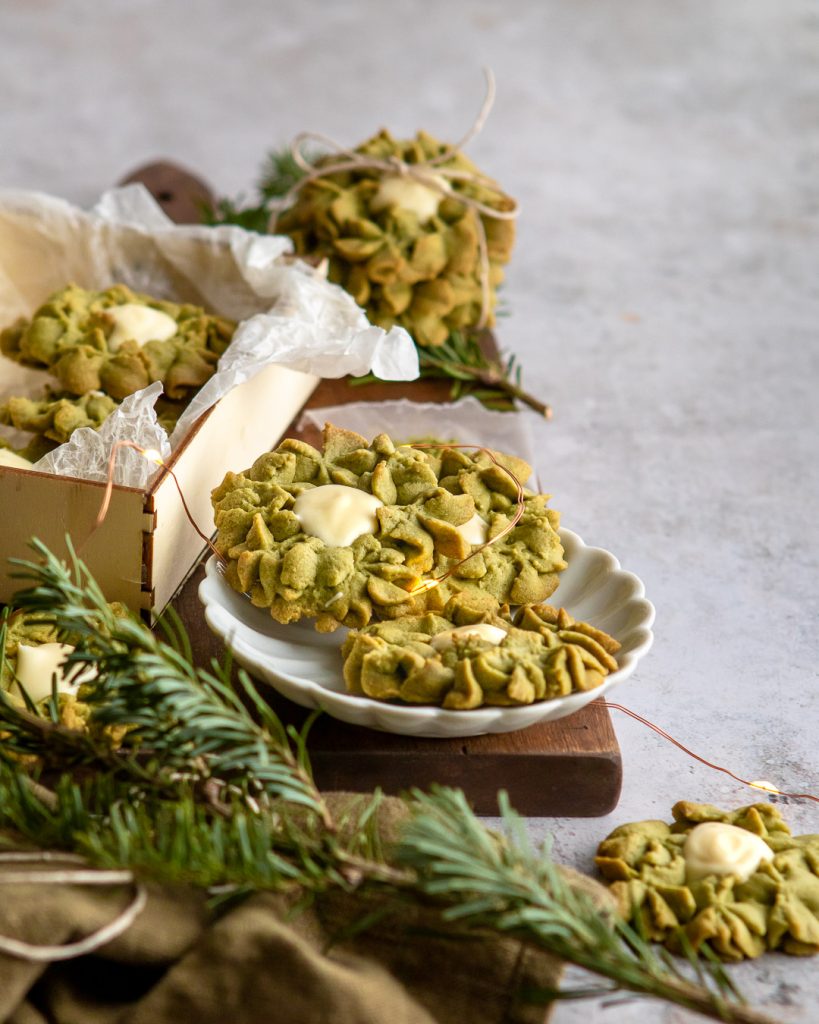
x: 190, y: 720
x: 504, y: 885
x: 202, y: 791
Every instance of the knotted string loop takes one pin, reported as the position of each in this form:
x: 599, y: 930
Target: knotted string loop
x: 80, y: 875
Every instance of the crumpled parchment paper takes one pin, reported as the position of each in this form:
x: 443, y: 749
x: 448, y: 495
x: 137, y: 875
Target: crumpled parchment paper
x: 288, y: 313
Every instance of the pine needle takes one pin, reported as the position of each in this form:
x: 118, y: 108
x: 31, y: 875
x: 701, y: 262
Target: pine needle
x: 201, y: 790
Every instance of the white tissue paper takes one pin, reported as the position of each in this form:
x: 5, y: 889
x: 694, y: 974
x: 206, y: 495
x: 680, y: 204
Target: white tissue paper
x: 287, y: 312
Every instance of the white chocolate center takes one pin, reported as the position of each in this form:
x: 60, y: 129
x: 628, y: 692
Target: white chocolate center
x: 337, y: 514
x: 37, y: 665
x: 408, y: 194
x: 134, y: 322
x: 479, y: 631
x: 474, y: 530
x: 714, y: 848
x: 9, y: 458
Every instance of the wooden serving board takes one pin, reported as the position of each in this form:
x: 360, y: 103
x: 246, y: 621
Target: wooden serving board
x: 571, y: 767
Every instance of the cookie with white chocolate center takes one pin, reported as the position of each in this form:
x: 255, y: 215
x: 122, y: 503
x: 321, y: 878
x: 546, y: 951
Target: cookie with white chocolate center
x: 429, y: 514
x: 475, y: 654
x: 119, y: 341
x: 736, y: 882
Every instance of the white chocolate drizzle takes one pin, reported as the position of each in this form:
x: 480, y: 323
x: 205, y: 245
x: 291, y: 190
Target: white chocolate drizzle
x: 478, y: 631
x: 135, y: 322
x: 715, y: 848
x: 37, y: 665
x: 337, y: 514
x: 411, y: 195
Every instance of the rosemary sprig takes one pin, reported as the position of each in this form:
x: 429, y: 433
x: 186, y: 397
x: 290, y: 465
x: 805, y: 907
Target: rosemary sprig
x: 461, y: 360
x: 496, y: 382
x: 202, y: 790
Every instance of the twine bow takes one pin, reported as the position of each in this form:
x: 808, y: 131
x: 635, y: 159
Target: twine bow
x: 430, y: 173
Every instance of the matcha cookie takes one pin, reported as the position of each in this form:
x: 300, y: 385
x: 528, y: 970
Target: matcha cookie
x: 736, y: 881
x: 34, y: 655
x: 352, y: 532
x: 474, y: 654
x: 57, y: 417
x: 408, y: 253
x: 119, y: 341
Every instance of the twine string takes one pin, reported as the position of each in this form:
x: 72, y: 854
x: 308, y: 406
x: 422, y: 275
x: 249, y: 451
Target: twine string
x: 43, y: 954
x: 153, y: 456
x: 429, y: 173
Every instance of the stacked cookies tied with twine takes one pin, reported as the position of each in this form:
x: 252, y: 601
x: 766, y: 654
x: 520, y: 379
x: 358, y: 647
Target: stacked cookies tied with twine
x: 420, y: 549
x: 412, y: 229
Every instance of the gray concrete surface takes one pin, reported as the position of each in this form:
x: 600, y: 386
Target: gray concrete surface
x: 664, y: 296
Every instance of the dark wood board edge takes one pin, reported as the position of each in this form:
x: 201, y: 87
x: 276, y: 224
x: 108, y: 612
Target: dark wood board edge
x: 538, y: 785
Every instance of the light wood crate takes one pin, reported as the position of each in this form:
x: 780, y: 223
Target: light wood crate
x: 145, y: 548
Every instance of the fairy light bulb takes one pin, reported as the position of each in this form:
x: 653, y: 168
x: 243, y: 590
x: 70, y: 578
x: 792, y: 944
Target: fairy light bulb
x: 767, y: 787
x: 152, y: 455
x: 424, y: 586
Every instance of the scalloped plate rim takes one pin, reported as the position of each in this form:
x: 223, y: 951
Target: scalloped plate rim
x: 422, y: 720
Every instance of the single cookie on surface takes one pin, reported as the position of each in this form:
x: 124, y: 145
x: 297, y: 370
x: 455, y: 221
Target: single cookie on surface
x: 736, y: 881
x: 394, y: 519
x: 474, y: 653
x: 119, y: 341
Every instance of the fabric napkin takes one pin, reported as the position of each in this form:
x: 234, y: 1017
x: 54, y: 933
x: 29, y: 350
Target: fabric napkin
x: 264, y: 960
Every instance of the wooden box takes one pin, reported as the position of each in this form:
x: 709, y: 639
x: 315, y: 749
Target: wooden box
x: 146, y: 547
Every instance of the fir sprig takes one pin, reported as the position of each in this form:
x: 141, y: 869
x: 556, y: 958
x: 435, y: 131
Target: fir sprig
x: 205, y: 792
x: 507, y: 886
x: 190, y: 716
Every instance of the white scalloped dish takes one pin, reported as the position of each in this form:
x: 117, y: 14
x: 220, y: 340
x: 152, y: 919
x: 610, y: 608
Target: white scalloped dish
x: 305, y: 666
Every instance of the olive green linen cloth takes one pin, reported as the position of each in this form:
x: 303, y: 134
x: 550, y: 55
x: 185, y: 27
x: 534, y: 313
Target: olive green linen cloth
x: 258, y: 962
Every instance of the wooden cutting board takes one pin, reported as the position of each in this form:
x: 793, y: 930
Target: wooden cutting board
x: 571, y: 767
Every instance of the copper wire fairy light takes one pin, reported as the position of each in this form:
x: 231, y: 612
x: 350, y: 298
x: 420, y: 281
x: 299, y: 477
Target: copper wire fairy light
x: 152, y: 455
x: 766, y: 787
x: 426, y: 585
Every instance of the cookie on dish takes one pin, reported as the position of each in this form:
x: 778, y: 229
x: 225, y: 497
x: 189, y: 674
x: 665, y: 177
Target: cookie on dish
x: 361, y: 530
x: 474, y: 653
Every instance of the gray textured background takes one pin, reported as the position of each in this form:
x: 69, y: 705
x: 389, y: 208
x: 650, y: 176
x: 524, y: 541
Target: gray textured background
x: 664, y: 296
